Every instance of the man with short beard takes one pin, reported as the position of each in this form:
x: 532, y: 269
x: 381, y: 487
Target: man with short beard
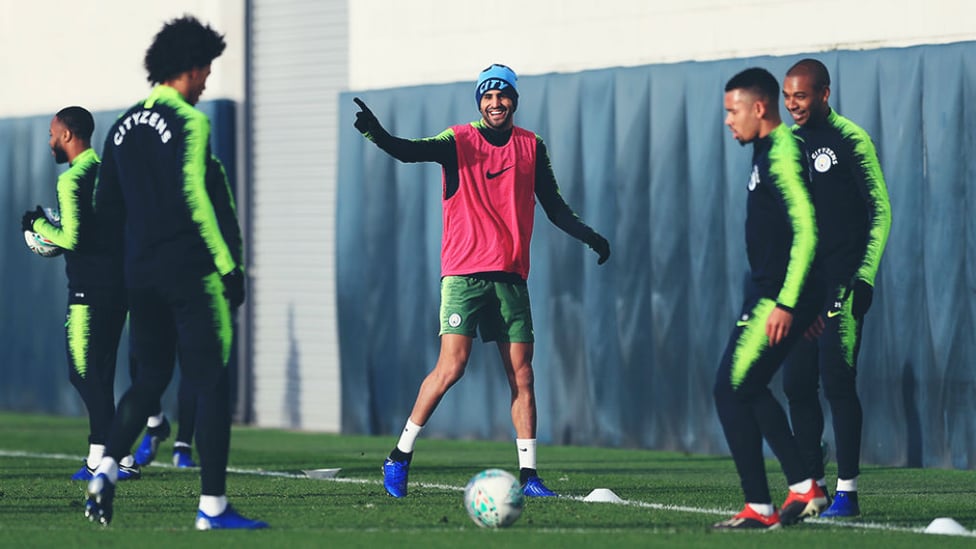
x: 96, y: 294
x: 493, y: 173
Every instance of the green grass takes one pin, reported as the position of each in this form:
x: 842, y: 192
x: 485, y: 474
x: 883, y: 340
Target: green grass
x: 39, y: 506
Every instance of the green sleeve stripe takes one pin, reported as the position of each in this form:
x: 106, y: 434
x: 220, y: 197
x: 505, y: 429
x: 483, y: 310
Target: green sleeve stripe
x: 751, y: 342
x: 69, y: 203
x: 196, y: 130
x: 786, y: 169
x: 219, y: 306
x: 879, y: 207
x: 216, y: 164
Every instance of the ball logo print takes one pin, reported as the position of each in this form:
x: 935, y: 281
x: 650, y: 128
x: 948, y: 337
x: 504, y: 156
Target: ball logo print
x: 823, y: 159
x: 40, y: 245
x: 821, y: 163
x: 493, y: 499
x: 454, y: 320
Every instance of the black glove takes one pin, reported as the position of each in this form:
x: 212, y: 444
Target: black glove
x: 599, y: 245
x: 234, y: 287
x: 863, y: 294
x: 366, y: 121
x: 30, y: 216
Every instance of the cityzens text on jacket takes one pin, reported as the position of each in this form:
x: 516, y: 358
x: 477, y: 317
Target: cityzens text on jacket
x: 142, y: 118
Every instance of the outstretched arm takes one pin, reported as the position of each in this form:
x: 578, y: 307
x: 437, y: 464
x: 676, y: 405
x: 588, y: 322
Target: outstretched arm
x: 558, y: 212
x: 439, y: 148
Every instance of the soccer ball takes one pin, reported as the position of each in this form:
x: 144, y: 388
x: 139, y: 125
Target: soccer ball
x: 493, y: 499
x: 40, y: 245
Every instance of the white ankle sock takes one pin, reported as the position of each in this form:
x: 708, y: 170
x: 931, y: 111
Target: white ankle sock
x: 764, y: 509
x: 802, y: 487
x: 526, y: 452
x: 95, y: 454
x: 213, y: 505
x: 847, y: 485
x: 409, y: 436
x: 155, y: 421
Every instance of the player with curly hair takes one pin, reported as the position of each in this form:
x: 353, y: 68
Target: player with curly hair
x: 182, y: 278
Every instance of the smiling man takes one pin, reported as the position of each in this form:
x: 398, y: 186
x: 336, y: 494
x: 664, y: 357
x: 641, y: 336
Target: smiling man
x: 854, y: 218
x: 493, y: 172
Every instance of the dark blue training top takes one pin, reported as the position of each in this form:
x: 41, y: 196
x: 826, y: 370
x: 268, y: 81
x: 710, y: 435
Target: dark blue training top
x: 90, y: 260
x: 781, y: 230
x: 153, y: 182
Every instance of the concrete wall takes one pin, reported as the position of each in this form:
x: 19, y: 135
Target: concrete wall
x: 55, y: 49
x: 394, y: 43
x: 55, y: 52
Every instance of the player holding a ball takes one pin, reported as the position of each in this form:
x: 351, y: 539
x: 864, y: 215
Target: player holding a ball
x: 96, y: 294
x: 494, y: 172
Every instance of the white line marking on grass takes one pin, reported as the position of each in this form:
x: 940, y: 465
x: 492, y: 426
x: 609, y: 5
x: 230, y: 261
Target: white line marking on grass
x: 452, y: 488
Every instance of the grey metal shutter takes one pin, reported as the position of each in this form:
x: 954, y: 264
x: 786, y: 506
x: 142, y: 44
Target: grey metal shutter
x: 297, y: 64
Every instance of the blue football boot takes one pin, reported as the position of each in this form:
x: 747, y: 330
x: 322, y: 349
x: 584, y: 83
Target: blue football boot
x: 146, y: 452
x: 844, y: 505
x: 228, y: 520
x: 98, y: 506
x: 395, y: 477
x: 84, y: 473
x: 183, y: 457
x: 129, y: 470
x: 534, y: 488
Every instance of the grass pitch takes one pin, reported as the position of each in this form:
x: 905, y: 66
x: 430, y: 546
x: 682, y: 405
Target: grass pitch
x: 671, y: 499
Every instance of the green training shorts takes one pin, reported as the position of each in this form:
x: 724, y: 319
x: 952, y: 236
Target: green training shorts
x: 499, y: 310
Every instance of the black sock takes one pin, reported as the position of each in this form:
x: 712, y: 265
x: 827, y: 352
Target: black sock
x: 397, y: 455
x: 525, y: 474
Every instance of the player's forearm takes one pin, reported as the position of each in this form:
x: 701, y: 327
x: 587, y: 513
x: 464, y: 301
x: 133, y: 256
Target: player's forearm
x: 438, y: 149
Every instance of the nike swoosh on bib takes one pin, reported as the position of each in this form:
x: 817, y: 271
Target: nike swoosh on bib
x: 492, y: 175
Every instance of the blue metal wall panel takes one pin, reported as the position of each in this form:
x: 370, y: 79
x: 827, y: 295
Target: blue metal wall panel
x: 626, y: 353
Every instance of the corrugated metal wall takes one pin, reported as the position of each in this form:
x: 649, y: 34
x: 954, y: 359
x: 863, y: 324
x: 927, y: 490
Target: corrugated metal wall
x: 297, y: 59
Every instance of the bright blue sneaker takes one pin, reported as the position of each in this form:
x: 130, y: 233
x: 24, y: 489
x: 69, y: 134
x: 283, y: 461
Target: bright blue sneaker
x: 395, y: 477
x: 228, y: 520
x: 146, y: 452
x: 183, y: 457
x: 127, y: 472
x: 84, y: 473
x: 98, y: 506
x: 844, y: 505
x: 534, y: 488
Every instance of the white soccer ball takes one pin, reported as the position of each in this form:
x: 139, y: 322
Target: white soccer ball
x: 493, y: 499
x: 40, y: 245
